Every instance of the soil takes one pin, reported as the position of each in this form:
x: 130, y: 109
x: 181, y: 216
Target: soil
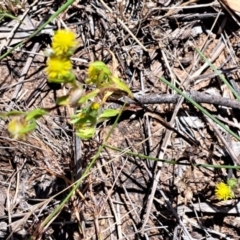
x: 154, y: 177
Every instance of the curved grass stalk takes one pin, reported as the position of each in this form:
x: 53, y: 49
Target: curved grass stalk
x: 198, y: 106
x: 142, y: 156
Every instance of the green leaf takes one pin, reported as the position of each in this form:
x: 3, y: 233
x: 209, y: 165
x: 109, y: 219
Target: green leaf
x: 85, y: 117
x: 56, y: 80
x: 122, y: 86
x: 74, y: 121
x: 232, y: 182
x: 16, y: 113
x: 85, y: 121
x: 62, y: 101
x: 86, y: 132
x: 36, y: 113
x: 29, y: 128
x: 108, y: 113
x: 88, y: 96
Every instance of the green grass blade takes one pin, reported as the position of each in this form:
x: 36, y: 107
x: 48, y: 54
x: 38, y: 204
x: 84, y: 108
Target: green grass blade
x: 141, y: 156
x: 198, y: 106
x: 221, y: 76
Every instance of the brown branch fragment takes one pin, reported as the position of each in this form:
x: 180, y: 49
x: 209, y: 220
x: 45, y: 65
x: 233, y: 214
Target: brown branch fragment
x: 198, y: 97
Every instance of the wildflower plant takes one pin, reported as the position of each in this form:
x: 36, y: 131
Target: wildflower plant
x: 89, y: 104
x: 100, y: 77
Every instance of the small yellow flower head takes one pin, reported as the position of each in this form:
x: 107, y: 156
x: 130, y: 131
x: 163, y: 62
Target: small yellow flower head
x: 95, y: 106
x: 223, y: 191
x: 64, y: 43
x: 81, y: 115
x: 16, y: 126
x: 98, y: 73
x: 59, y: 70
x: 92, y: 74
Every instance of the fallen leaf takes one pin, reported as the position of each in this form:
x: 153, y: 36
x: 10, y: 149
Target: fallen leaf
x: 233, y: 4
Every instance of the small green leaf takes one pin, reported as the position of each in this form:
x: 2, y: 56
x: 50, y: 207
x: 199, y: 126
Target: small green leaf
x: 88, y: 96
x: 56, y: 80
x: 86, y: 132
x: 108, y: 113
x: 74, y: 121
x: 85, y: 121
x: 36, y: 113
x: 232, y: 182
x: 62, y: 101
x: 29, y: 128
x: 122, y: 86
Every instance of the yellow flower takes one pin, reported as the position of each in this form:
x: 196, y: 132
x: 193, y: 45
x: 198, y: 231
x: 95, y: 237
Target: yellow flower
x: 223, y: 191
x: 16, y: 126
x: 59, y: 70
x: 98, y: 73
x: 64, y: 43
x: 92, y: 74
x: 95, y: 106
x: 81, y: 115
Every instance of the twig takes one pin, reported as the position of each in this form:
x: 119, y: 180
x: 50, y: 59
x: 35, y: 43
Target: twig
x: 159, y: 164
x: 176, y: 215
x: 224, y: 141
x: 198, y: 97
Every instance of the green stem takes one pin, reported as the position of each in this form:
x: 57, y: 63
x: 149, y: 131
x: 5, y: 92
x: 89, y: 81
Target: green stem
x: 128, y: 152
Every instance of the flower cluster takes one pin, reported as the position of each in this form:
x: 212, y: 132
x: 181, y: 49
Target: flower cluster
x: 22, y: 123
x: 223, y: 191
x: 59, y: 66
x: 98, y: 74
